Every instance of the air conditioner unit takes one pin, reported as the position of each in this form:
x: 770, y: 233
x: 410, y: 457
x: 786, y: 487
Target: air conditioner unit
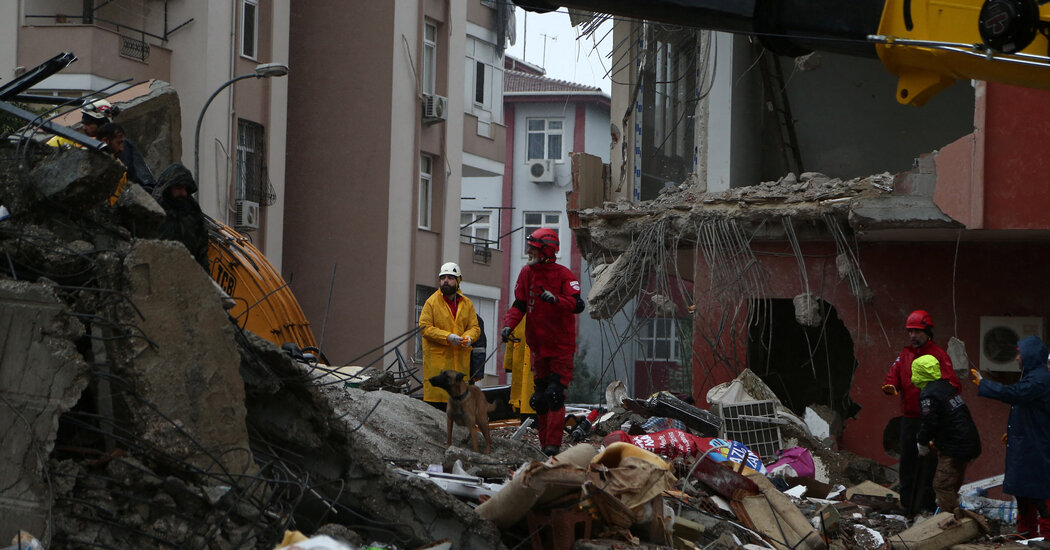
x: 435, y: 108
x: 541, y: 171
x: 247, y: 215
x: 999, y: 337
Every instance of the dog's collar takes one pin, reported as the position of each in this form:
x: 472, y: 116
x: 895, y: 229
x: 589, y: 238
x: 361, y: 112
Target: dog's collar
x: 461, y: 396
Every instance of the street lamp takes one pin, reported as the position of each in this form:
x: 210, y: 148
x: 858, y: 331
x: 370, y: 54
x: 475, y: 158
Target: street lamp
x: 263, y: 70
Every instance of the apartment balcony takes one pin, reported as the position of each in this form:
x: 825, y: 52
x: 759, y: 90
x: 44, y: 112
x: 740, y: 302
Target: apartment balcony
x: 485, y: 263
x: 102, y: 53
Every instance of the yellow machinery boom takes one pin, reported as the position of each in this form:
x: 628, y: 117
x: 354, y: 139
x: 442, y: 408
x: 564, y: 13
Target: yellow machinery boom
x: 265, y: 305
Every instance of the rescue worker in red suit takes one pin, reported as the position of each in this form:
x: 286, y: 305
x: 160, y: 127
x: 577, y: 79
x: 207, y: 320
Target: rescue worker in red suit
x: 915, y: 472
x: 550, y: 294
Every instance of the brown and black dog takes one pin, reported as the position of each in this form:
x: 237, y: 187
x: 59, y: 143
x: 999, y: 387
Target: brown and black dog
x: 466, y: 406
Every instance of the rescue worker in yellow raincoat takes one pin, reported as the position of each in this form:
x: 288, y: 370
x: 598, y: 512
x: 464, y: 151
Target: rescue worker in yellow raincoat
x: 449, y: 326
x: 516, y: 361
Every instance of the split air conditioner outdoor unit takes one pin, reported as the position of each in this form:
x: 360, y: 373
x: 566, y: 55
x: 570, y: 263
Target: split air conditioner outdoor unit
x: 541, y: 171
x: 435, y: 108
x: 247, y: 215
x: 999, y: 337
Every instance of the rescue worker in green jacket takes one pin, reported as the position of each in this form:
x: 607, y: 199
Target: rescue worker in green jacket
x: 450, y: 325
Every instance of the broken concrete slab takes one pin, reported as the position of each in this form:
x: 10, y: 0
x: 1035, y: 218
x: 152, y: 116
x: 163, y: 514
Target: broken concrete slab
x: 183, y: 364
x: 41, y: 376
x: 896, y: 212
x: 332, y: 434
x: 77, y: 177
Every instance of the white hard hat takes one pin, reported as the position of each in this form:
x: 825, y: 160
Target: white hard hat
x: 99, y: 109
x: 450, y: 268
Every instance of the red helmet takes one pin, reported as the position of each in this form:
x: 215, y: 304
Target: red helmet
x: 546, y: 240
x: 919, y: 320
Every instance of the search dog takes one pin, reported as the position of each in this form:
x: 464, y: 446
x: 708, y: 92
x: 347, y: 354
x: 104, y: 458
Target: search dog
x: 467, y: 406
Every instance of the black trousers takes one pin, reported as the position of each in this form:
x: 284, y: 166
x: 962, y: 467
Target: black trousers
x: 916, y: 473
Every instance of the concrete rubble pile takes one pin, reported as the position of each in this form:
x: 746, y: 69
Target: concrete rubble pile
x: 137, y: 414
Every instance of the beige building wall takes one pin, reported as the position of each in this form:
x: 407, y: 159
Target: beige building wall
x: 339, y: 169
x: 354, y: 143
x: 196, y: 59
x: 10, y: 18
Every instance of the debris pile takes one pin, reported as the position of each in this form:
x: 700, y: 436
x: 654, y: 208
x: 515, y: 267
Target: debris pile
x: 140, y: 415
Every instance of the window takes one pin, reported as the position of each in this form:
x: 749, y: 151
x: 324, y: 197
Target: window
x: 658, y: 340
x: 536, y: 220
x: 484, y: 80
x: 422, y: 293
x: 429, y: 57
x: 475, y: 228
x: 249, y: 27
x: 426, y: 177
x: 251, y: 165
x: 668, y: 100
x: 544, y: 139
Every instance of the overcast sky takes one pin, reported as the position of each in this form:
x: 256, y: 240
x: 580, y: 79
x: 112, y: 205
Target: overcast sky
x: 566, y: 57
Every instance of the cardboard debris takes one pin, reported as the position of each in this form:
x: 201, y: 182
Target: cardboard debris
x: 870, y: 488
x: 935, y: 533
x: 776, y: 516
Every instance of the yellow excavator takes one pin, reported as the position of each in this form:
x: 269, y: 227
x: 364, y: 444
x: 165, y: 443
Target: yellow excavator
x: 927, y: 44
x: 264, y: 303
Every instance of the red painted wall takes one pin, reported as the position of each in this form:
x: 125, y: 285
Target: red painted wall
x: 1017, y: 158
x: 988, y: 279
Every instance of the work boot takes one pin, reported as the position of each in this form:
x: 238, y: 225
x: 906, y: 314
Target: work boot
x: 551, y: 450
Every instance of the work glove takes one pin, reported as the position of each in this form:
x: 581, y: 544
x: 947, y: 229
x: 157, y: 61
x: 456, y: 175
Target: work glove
x: 923, y: 449
x: 889, y: 389
x: 466, y: 342
x: 455, y: 339
x: 548, y: 297
x: 975, y: 377
x: 505, y: 334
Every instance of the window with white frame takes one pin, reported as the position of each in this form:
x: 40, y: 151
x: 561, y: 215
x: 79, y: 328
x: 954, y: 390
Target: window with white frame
x: 422, y: 293
x: 429, y: 57
x: 476, y: 228
x: 536, y: 220
x: 484, y: 79
x: 658, y: 340
x: 544, y: 138
x: 249, y: 27
x: 426, y: 181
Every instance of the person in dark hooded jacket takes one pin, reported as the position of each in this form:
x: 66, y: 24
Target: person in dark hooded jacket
x: 184, y: 220
x: 1027, y: 435
x: 946, y: 426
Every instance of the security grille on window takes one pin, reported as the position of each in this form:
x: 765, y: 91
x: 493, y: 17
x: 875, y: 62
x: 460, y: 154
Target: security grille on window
x: 536, y: 220
x: 422, y: 293
x: 426, y: 179
x: 658, y: 340
x: 429, y: 58
x: 251, y: 162
x: 475, y: 228
x: 545, y: 138
x: 249, y: 27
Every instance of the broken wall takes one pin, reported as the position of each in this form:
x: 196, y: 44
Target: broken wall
x: 41, y: 376
x: 903, y: 276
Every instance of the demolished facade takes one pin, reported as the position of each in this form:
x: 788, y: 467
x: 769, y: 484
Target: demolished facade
x: 807, y: 279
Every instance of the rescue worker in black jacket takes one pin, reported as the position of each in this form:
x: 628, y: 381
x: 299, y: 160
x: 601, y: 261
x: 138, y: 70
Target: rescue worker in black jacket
x: 184, y: 220
x: 947, y: 427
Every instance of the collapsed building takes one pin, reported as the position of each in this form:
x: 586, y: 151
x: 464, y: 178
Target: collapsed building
x: 807, y: 279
